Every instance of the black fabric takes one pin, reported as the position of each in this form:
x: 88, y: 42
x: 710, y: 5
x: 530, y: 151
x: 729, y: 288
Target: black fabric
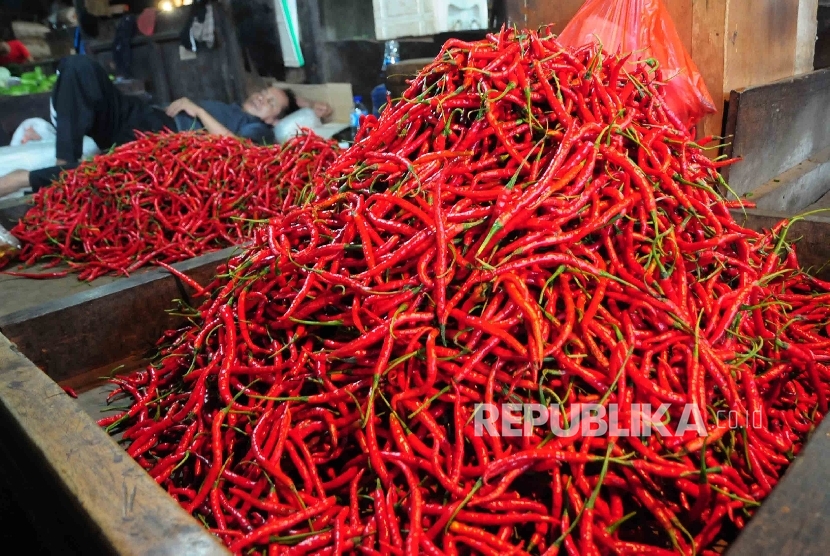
x: 87, y: 22
x: 292, y: 104
x: 87, y: 103
x: 38, y: 179
x: 233, y: 117
x: 121, y: 50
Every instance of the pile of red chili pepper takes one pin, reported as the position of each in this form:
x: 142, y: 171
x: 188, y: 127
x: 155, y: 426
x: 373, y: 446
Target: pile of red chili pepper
x: 164, y: 198
x: 528, y: 224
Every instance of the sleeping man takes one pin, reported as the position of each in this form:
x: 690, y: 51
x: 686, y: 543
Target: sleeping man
x: 86, y: 103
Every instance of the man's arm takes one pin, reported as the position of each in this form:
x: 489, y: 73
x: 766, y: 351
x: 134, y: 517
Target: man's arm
x: 322, y: 109
x: 193, y: 110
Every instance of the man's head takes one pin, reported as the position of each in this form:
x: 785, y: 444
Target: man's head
x: 5, y: 49
x: 267, y: 104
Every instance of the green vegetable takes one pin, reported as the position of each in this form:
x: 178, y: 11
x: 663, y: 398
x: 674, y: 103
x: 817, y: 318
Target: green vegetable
x: 18, y: 90
x: 32, y: 82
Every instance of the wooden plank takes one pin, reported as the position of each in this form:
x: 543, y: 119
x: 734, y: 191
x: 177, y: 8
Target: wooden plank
x: 99, y: 46
x: 730, y: 125
x: 755, y: 29
x: 794, y: 190
x: 708, y: 20
x: 116, y: 320
x: 682, y: 15
x: 233, y: 52
x: 12, y: 210
x: 18, y: 294
x: 161, y: 84
x: 777, y: 126
x: 805, y: 48
x: 76, y: 467
x: 534, y: 13
x: 793, y: 520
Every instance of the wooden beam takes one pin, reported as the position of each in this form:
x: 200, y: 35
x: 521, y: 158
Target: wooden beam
x: 760, y: 42
x: 776, y: 127
x: 311, y: 42
x: 62, y: 460
x: 708, y: 43
x: 235, y: 63
x: 118, y: 320
x: 805, y: 48
x: 792, y: 191
x: 12, y: 210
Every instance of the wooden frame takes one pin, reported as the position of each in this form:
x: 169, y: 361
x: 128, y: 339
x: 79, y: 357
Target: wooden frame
x: 72, y: 476
x: 172, y: 77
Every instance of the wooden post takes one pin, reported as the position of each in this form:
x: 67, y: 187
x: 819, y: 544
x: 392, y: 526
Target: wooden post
x: 708, y: 20
x: 734, y: 43
x: 805, y: 49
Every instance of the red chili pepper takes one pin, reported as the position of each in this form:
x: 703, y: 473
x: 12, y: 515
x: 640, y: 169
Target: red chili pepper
x: 529, y: 225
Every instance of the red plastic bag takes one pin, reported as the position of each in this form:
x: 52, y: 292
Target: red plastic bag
x: 644, y: 28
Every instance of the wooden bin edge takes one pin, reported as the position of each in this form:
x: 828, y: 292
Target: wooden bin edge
x: 133, y: 515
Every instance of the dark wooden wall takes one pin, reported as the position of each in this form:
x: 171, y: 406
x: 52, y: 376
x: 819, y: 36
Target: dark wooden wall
x: 331, y: 57
x: 214, y: 74
x: 256, y: 28
x: 822, y: 57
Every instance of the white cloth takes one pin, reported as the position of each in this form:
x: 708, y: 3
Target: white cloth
x: 292, y: 125
x: 40, y: 126
x: 48, y: 136
x: 35, y: 155
x: 203, y: 32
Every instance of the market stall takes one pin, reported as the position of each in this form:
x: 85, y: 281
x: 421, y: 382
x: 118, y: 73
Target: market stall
x: 532, y: 308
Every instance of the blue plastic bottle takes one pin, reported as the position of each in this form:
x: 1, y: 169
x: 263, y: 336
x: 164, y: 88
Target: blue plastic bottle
x: 359, y: 109
x: 378, y: 99
x: 390, y: 56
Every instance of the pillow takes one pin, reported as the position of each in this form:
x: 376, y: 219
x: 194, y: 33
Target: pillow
x: 290, y: 126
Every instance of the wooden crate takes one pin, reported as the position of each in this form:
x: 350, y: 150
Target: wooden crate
x: 735, y: 43
x: 71, y: 475
x: 780, y: 131
x: 75, y: 484
x: 21, y: 293
x: 73, y: 464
